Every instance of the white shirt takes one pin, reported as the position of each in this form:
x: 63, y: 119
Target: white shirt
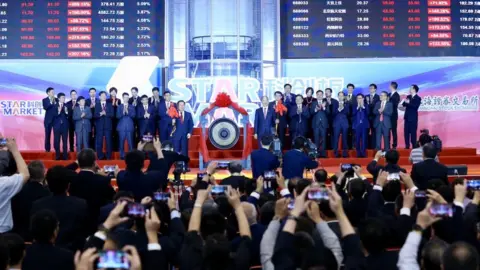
x: 103, y: 104
x: 145, y: 107
x: 9, y: 187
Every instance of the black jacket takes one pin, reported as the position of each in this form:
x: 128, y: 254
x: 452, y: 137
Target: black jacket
x: 47, y: 257
x: 374, y: 168
x: 236, y: 181
x: 426, y: 170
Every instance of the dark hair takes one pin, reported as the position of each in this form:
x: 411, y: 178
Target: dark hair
x: 432, y: 254
x: 155, y: 89
x: 328, y: 89
x: 324, y: 207
x: 134, y: 88
x: 73, y: 91
x: 59, y: 95
x: 180, y: 101
x: 123, y: 194
x: 424, y: 139
x: 266, y: 140
x: 298, y: 96
x: 319, y: 91
x: 58, y: 179
x: 143, y: 96
x: 112, y: 89
x: 80, y: 98
x: 350, y: 85
x: 212, y: 222
x: 435, y: 183
x: 4, y: 257
x: 446, y: 192
x: 415, y: 87
x: 49, y: 89
x: 374, y: 235
x: 86, y: 158
x: 43, y: 225
x: 356, y: 188
x: 134, y: 160
x: 373, y: 85
x: 166, y: 92
x: 360, y: 95
x: 102, y: 93
x: 299, y: 142
x: 384, y: 92
x: 392, y: 156
x: 92, y: 89
x: 321, y: 176
x: 36, y: 169
x: 460, y: 255
x: 309, y: 89
x: 125, y: 94
x: 394, y: 85
x: 391, y: 190
x: 278, y: 92
x: 216, y: 252
x: 287, y: 84
x: 267, y: 212
x: 429, y: 150
x: 301, y: 185
x: 16, y: 248
x: 235, y: 167
x: 12, y: 166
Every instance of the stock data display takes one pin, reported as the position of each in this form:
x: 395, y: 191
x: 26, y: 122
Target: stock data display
x: 380, y: 28
x: 63, y: 29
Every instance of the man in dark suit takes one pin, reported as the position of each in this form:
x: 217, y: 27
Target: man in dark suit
x: 372, y: 100
x: 360, y: 126
x: 391, y: 159
x: 383, y: 111
x: 340, y: 125
x: 299, y: 116
x: 394, y: 98
x: 71, y: 211
x: 135, y: 99
x: 289, y: 97
x: 264, y: 121
x: 115, y: 101
x: 49, y: 105
x: 125, y: 127
x: 428, y: 169
x: 44, y: 254
x: 155, y: 100
x: 351, y: 100
x: 22, y: 202
x: 331, y: 103
x: 93, y: 187
x: 60, y: 127
x: 263, y: 159
x: 165, y: 122
x: 296, y: 161
x: 319, y: 112
x: 183, y: 129
x: 146, y: 115
x: 103, y: 123
x: 71, y: 104
x: 411, y: 105
x: 236, y: 180
x: 82, y: 116
x: 280, y: 118
x: 90, y: 102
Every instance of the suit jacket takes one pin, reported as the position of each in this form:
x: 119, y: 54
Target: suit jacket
x: 125, y: 122
x: 115, y: 104
x: 387, y: 113
x: 281, y: 118
x: 340, y: 118
x: 295, y: 162
x: 41, y: 256
x: 162, y: 113
x: 236, y: 181
x: 70, y: 108
x: 142, y: 121
x: 135, y: 101
x: 164, y: 165
x: 61, y: 118
x: 352, y: 103
x: 88, y: 102
x: 82, y: 123
x: 263, y: 160
x: 411, y: 109
x: 360, y: 118
x: 331, y: 106
x: 395, y: 100
x: 183, y: 127
x: 22, y: 206
x: 103, y: 122
x: 320, y: 117
x: 139, y: 183
x: 298, y: 121
x: 50, y: 110
x: 72, y: 215
x: 426, y: 170
x: 374, y: 168
x: 290, y: 102
x: 264, y: 125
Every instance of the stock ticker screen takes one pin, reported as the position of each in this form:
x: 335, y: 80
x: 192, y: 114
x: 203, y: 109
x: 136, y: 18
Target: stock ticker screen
x: 379, y: 28
x: 96, y: 29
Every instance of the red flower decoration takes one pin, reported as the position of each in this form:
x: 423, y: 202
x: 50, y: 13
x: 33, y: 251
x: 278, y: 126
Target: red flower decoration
x: 223, y: 100
x: 172, y: 112
x: 280, y: 108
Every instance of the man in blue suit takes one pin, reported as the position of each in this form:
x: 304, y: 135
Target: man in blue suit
x: 331, y: 103
x: 49, y: 105
x: 155, y: 100
x: 71, y: 123
x: 289, y: 98
x: 340, y: 124
x: 60, y: 127
x: 125, y: 126
x: 351, y: 100
x: 103, y: 125
x: 165, y: 122
x: 183, y: 131
x: 299, y: 116
x: 295, y: 161
x: 82, y: 115
x: 264, y: 121
x: 383, y: 112
x: 411, y: 104
x: 280, y: 120
x: 146, y: 117
x: 371, y: 100
x: 320, y: 111
x: 263, y: 159
x: 394, y: 98
x: 360, y: 125
x: 91, y: 102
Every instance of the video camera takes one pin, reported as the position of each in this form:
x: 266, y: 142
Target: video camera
x: 436, y: 141
x: 276, y: 147
x: 180, y: 168
x: 311, y: 149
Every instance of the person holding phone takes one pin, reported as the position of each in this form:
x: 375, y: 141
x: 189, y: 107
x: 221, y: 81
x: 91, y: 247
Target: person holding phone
x: 263, y: 159
x: 60, y: 127
x: 49, y: 105
x: 125, y: 127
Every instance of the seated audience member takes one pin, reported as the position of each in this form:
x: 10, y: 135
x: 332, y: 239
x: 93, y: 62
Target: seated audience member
x: 22, y: 203
x: 16, y: 250
x: 93, y: 187
x: 133, y: 179
x: 391, y: 157
x: 263, y: 159
x: 72, y: 212
x: 356, y: 206
x: 416, y: 155
x: 295, y: 161
x: 43, y: 254
x: 428, y: 169
x: 320, y: 176
x: 236, y: 180
x: 374, y: 235
x: 14, y: 177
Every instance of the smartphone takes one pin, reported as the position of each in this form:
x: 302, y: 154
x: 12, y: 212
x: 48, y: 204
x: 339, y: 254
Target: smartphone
x: 200, y: 176
x: 393, y: 176
x: 346, y: 167
x: 161, y: 196
x: 109, y: 168
x: 473, y: 184
x: 219, y: 189
x: 318, y: 194
x: 441, y: 210
x: 420, y: 194
x: 113, y: 259
x: 147, y: 138
x: 135, y: 210
x: 3, y: 142
x: 222, y: 165
x: 383, y: 153
x: 291, y: 204
x: 269, y: 175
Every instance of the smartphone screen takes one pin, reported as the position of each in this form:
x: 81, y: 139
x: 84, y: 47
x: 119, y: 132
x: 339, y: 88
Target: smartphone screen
x: 393, y: 176
x: 473, y: 184
x: 161, y: 196
x: 291, y: 205
x: 420, y: 194
x: 222, y: 165
x: 346, y: 167
x: 441, y: 210
x: 147, y: 138
x: 318, y: 194
x: 112, y: 259
x: 200, y: 176
x: 3, y: 141
x: 136, y: 210
x: 109, y: 168
x: 269, y: 175
x: 219, y: 189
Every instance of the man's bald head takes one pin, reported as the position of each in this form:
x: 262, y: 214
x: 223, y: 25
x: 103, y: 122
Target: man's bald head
x: 460, y: 255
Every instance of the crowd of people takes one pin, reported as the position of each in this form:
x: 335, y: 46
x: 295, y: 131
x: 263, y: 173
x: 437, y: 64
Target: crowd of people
x: 70, y: 217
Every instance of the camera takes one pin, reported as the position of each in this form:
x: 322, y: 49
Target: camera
x: 180, y: 167
x: 473, y: 184
x: 311, y: 149
x: 277, y: 147
x: 436, y: 141
x: 348, y: 169
x: 113, y: 259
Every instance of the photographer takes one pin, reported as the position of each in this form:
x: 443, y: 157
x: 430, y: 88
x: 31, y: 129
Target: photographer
x: 236, y: 180
x: 170, y: 157
x: 416, y: 155
x: 263, y: 159
x: 295, y: 161
x: 391, y: 157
